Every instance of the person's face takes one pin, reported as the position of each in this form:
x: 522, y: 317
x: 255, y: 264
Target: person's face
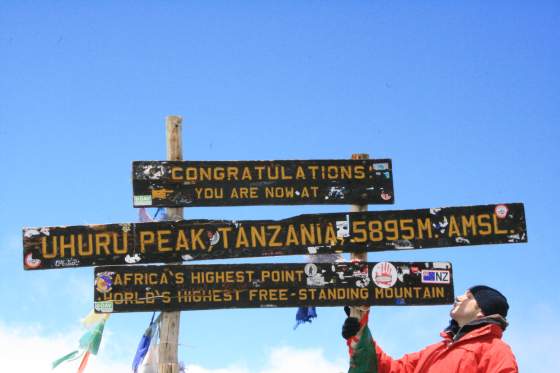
x: 465, y: 309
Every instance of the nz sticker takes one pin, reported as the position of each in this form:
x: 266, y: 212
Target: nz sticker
x: 384, y: 274
x: 501, y: 211
x: 434, y: 276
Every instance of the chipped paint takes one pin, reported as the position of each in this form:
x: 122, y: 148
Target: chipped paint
x: 313, y: 234
x: 132, y: 259
x: 197, y: 287
x: 238, y: 183
x: 462, y: 240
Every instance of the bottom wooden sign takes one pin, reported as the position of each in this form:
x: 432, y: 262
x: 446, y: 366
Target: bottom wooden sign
x: 198, y: 287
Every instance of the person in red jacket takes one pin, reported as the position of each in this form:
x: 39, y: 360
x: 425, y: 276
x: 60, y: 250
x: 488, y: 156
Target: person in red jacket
x: 471, y: 343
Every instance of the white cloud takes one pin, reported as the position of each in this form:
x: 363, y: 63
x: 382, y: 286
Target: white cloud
x: 285, y: 359
x: 199, y: 369
x: 289, y: 359
x: 25, y: 350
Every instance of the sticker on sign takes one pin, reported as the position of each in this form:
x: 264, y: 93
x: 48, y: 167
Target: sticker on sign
x: 104, y: 307
x: 436, y: 277
x: 143, y: 200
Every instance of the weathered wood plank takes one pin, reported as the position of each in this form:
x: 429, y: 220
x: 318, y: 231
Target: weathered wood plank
x: 199, y: 287
x: 236, y: 183
x: 184, y: 240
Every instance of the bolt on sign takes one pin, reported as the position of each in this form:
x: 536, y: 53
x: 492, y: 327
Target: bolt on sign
x: 236, y: 183
x: 185, y: 240
x: 199, y: 287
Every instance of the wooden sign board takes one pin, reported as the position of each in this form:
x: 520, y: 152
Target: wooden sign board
x: 237, y: 183
x: 200, y: 287
x: 185, y: 240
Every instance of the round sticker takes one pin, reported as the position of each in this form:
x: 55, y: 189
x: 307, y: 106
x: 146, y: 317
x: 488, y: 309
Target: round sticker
x: 104, y: 282
x: 214, y: 237
x: 384, y: 274
x: 385, y: 196
x: 310, y: 269
x: 30, y: 262
x: 501, y: 211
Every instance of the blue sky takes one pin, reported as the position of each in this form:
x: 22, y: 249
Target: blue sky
x: 462, y: 97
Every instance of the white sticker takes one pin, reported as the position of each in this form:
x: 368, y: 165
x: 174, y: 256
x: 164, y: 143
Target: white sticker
x: 343, y: 227
x: 132, y: 259
x: 105, y: 307
x: 384, y: 274
x: 501, y: 211
x: 215, y: 238
x: 381, y: 166
x: 143, y: 200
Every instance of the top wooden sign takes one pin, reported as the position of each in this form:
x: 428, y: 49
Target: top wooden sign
x: 238, y: 183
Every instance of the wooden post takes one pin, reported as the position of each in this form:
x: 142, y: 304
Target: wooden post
x: 358, y: 312
x: 169, y: 323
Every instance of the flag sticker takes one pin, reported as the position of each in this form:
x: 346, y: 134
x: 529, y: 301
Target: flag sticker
x: 435, y: 277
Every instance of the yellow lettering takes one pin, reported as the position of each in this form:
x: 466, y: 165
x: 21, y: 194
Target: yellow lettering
x: 359, y: 231
x: 246, y: 174
x: 232, y: 173
x: 497, y: 230
x: 241, y: 238
x: 484, y: 226
x: 359, y: 172
x: 276, y: 229
x: 453, y: 227
x: 468, y: 223
x: 392, y: 228
x: 258, y: 235
x: 182, y: 241
x: 330, y: 235
x: 196, y: 240
x: 146, y: 237
x: 291, y: 236
x: 176, y: 173
x: 102, y: 242
x: 163, y: 240
x: 307, y: 234
x: 375, y: 231
x: 425, y: 225
x: 224, y: 231
x: 44, y: 246
x: 70, y: 245
x: 407, y: 229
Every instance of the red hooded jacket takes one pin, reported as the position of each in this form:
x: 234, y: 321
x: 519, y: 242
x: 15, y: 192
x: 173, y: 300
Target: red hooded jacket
x: 478, y: 350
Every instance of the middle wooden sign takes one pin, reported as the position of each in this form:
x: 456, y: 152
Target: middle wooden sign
x: 185, y: 240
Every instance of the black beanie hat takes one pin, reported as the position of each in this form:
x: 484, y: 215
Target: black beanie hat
x: 490, y: 301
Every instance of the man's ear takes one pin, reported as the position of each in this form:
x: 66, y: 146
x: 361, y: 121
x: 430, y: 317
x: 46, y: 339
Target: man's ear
x: 480, y: 315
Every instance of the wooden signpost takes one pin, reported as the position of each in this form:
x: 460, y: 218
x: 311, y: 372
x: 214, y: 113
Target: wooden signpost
x: 200, y: 287
x: 184, y: 240
x: 124, y: 286
x: 229, y: 183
